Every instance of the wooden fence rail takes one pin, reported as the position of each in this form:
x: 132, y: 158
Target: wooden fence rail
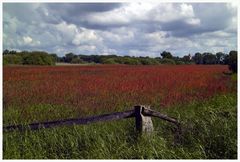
x: 142, y: 116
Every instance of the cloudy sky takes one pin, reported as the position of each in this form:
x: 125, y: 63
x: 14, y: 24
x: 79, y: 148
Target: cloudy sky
x: 136, y: 29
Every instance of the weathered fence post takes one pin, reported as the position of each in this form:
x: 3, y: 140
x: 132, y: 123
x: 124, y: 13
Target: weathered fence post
x: 143, y: 123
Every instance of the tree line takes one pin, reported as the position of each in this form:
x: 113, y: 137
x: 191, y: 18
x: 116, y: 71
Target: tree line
x: 44, y: 58
x: 28, y: 58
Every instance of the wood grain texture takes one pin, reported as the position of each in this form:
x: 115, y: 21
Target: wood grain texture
x: 141, y: 113
x: 77, y: 121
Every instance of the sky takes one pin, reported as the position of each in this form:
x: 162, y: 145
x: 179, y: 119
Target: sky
x: 135, y: 29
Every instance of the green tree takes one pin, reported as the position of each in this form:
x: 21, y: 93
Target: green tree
x: 148, y: 61
x: 12, y: 52
x: 166, y: 54
x: 5, y: 52
x: 108, y: 61
x: 77, y: 60
x: 55, y: 57
x: 232, y: 64
x: 37, y: 58
x: 69, y: 57
x: 220, y: 58
x: 33, y: 60
x: 12, y: 59
x: 47, y: 60
x: 131, y: 61
x: 186, y: 59
x: 180, y: 62
x: 226, y: 59
x: 198, y: 58
x: 168, y: 61
x: 209, y: 58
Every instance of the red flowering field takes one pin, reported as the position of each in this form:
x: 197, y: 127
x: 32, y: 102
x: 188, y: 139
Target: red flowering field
x: 112, y: 87
x: 202, y: 97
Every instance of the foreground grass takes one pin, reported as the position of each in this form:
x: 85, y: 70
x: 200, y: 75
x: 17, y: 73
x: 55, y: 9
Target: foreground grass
x: 209, y: 131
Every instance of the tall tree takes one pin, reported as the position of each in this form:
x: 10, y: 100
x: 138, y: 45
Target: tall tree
x: 69, y: 57
x: 220, y: 58
x: 166, y: 54
x: 5, y: 52
x: 209, y: 58
x: 198, y: 58
x: 232, y: 64
x: 186, y: 58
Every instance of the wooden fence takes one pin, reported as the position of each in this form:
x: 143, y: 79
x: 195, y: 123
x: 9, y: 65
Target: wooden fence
x: 141, y: 113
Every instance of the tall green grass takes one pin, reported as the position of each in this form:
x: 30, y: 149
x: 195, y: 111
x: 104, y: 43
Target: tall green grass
x: 209, y: 131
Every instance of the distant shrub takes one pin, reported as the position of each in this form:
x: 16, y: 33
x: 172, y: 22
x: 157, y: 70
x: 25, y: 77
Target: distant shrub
x: 108, y: 61
x: 5, y: 62
x: 180, y: 63
x: 168, y: 61
x: 149, y: 61
x: 119, y: 60
x: 77, y: 60
x: 131, y: 61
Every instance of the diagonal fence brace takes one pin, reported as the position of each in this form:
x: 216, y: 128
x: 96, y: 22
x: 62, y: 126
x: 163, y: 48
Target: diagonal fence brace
x: 141, y: 113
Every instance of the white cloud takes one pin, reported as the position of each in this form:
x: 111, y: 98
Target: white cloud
x: 120, y: 36
x: 156, y: 37
x: 86, y: 36
x: 186, y: 10
x: 167, y: 12
x: 193, y: 21
x: 216, y: 34
x: 147, y: 11
x: 107, y: 18
x: 139, y: 28
x: 108, y: 51
x: 123, y: 15
x: 27, y: 40
x: 89, y: 48
x: 137, y: 53
x: 68, y: 31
